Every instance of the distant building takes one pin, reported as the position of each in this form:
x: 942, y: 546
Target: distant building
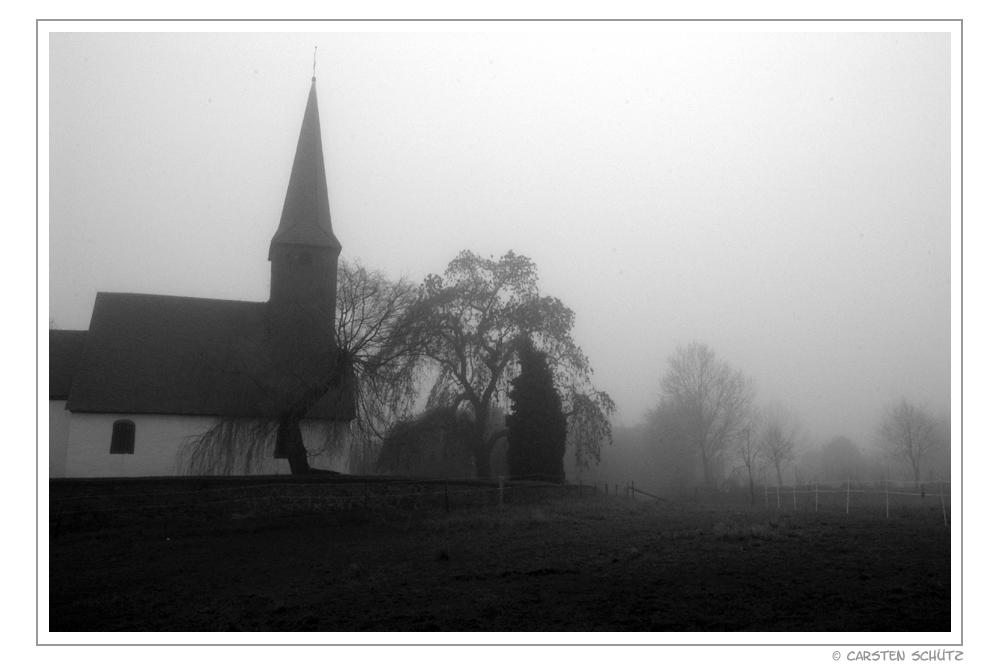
x: 153, y: 371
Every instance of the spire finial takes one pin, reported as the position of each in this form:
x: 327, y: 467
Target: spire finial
x: 315, y: 48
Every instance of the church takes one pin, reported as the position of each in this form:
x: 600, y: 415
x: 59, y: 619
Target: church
x: 157, y: 381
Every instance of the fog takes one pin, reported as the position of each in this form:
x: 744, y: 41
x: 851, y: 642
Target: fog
x: 783, y: 197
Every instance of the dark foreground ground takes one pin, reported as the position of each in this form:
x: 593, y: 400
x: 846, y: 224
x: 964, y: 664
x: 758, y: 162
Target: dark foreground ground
x: 592, y: 564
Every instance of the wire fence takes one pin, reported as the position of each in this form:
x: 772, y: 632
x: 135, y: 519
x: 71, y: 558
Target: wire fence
x: 851, y: 496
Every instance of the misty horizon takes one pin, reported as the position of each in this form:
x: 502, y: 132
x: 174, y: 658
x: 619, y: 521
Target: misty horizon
x: 784, y: 198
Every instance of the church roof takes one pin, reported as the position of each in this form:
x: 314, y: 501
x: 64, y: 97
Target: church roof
x: 155, y: 354
x: 65, y: 350
x: 305, y: 218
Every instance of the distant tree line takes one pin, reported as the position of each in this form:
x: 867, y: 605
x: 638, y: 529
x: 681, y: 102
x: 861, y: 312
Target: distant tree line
x: 708, y: 430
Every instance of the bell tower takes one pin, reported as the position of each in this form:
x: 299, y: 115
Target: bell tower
x: 304, y: 252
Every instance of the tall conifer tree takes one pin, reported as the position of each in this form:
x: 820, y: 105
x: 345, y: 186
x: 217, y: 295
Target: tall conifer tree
x: 536, y: 426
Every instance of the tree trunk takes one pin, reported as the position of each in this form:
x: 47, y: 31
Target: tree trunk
x: 290, y: 441
x: 708, y: 471
x: 481, y: 448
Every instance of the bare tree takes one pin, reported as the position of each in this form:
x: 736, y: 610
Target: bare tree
x: 373, y: 314
x: 749, y: 452
x: 711, y: 404
x: 781, y: 436
x: 908, y: 434
x: 941, y: 459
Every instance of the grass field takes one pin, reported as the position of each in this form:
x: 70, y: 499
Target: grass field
x: 591, y: 564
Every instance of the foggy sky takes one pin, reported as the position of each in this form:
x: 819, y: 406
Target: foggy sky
x: 781, y: 197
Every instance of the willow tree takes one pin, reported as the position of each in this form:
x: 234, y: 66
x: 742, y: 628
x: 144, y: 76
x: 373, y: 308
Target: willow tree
x: 373, y: 317
x: 274, y: 376
x: 287, y: 374
x: 470, y: 321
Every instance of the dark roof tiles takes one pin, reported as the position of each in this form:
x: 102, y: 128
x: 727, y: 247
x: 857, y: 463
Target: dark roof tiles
x: 198, y: 356
x: 65, y: 351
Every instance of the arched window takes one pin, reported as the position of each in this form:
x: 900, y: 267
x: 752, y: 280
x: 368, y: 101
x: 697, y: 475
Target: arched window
x: 123, y: 437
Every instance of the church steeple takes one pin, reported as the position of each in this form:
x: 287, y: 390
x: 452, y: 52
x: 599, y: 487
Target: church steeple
x: 304, y: 251
x: 305, y: 218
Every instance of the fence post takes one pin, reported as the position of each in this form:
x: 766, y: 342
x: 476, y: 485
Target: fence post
x: 777, y: 490
x: 848, y: 496
x: 816, y: 490
x: 795, y: 500
x: 501, y: 491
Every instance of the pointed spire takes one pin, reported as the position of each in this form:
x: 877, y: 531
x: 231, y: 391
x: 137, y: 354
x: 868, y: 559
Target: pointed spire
x: 305, y: 218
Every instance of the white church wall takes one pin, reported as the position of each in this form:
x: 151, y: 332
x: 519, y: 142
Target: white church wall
x: 58, y: 437
x: 313, y: 436
x: 158, y: 441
